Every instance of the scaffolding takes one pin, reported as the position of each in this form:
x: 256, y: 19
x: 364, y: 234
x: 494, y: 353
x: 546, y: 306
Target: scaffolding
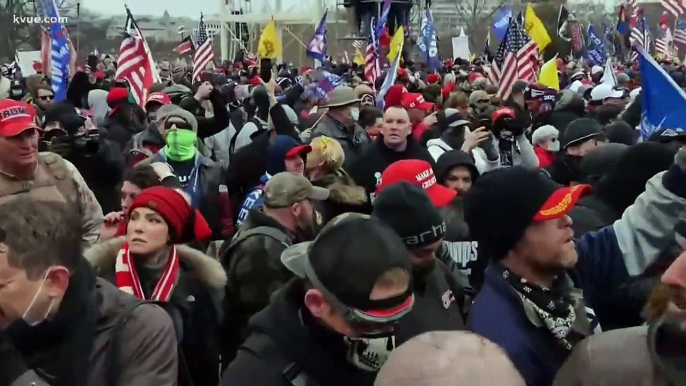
x: 240, y: 17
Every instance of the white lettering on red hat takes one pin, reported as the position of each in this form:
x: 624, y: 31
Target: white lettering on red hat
x: 419, y: 100
x: 426, y: 178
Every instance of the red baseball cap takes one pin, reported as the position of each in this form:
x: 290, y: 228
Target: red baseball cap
x: 412, y: 100
x: 433, y: 78
x: 158, y: 97
x: 16, y: 117
x: 298, y: 150
x: 503, y: 112
x: 561, y: 202
x: 420, y: 173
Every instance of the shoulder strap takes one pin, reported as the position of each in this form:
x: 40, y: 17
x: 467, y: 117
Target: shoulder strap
x: 58, y: 170
x: 260, y: 345
x: 114, y: 350
x: 242, y: 235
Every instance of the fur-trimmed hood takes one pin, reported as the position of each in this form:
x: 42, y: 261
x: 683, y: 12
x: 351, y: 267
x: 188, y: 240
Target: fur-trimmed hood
x: 208, y: 270
x: 342, y: 190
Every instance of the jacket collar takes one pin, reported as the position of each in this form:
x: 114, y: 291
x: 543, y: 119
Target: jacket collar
x: 206, y: 269
x: 342, y: 189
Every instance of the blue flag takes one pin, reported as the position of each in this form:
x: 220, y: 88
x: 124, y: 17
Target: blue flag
x: 388, y: 81
x: 324, y: 83
x: 428, y: 48
x: 663, y: 103
x: 59, y: 54
x: 595, y: 49
x: 317, y: 47
x: 502, y: 21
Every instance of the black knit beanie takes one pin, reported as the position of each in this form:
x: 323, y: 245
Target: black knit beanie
x: 409, y: 211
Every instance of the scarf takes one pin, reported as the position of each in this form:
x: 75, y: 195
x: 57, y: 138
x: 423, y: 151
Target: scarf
x: 59, y: 350
x: 552, y: 305
x: 127, y: 278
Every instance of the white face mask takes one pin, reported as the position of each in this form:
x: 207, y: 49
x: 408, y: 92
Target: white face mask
x: 354, y: 113
x: 554, y: 146
x: 369, y: 354
x: 35, y: 297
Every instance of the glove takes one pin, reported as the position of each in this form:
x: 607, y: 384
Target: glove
x: 489, y: 148
x: 11, y: 362
x: 515, y: 126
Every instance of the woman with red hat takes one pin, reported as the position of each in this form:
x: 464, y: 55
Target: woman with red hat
x: 152, y: 264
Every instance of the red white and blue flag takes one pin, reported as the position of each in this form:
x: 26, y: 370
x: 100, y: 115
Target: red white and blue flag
x: 317, y: 47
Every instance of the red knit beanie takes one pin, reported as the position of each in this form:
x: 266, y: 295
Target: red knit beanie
x: 185, y: 223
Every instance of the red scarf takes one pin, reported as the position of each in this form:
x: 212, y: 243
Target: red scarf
x: 127, y: 277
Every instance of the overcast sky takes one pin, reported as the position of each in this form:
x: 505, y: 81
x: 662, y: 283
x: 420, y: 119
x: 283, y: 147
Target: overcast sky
x: 176, y: 8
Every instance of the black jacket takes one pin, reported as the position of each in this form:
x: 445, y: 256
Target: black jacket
x: 208, y: 127
x: 440, y: 304
x: 102, y: 172
x: 284, y: 337
x: 249, y: 163
x: 366, y: 170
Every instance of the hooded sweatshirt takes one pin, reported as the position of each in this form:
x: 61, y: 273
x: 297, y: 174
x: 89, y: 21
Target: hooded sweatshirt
x: 97, y: 101
x: 276, y: 157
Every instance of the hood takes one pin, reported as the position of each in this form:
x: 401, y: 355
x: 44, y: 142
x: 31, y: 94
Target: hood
x: 600, y: 161
x: 453, y: 158
x: 342, y: 190
x: 438, y: 142
x: 97, y: 101
x: 276, y: 153
x: 206, y: 269
x: 627, y: 180
x: 151, y: 135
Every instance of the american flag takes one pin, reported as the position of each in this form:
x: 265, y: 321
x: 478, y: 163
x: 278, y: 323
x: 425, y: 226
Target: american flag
x: 639, y: 34
x: 135, y: 63
x: 675, y: 7
x: 680, y: 31
x: 203, y: 53
x: 515, y: 59
x: 370, y: 58
x: 663, y: 43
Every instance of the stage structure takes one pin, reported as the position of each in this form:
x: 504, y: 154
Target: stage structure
x: 243, y: 21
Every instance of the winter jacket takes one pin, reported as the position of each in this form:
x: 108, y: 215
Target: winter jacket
x: 252, y: 200
x: 255, y: 272
x: 119, y: 132
x: 441, y: 301
x: 208, y: 126
x: 286, y: 343
x: 522, y: 154
x: 354, y: 145
x: 607, y: 259
x: 147, y: 344
x: 194, y: 306
x: 438, y: 146
x: 344, y: 196
x: 218, y: 146
x: 103, y: 172
x: 249, y: 164
x: 625, y: 357
x: 366, y: 170
x: 144, y: 145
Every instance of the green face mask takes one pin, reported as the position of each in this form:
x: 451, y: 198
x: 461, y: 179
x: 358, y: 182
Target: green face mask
x: 181, y: 144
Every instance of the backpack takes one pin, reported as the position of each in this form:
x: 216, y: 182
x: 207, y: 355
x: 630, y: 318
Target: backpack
x: 113, y: 351
x: 242, y: 235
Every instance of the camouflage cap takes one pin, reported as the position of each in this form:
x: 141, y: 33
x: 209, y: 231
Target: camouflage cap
x: 285, y: 189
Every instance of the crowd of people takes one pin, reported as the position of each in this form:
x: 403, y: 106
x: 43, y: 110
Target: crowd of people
x: 244, y: 229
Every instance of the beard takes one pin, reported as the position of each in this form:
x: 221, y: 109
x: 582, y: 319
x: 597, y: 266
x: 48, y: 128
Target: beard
x: 307, y: 225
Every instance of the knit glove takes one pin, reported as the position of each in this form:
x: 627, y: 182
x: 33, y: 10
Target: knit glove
x: 11, y: 362
x: 489, y: 148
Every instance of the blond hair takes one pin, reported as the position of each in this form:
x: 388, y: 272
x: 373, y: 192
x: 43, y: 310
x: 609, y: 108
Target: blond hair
x: 328, y: 152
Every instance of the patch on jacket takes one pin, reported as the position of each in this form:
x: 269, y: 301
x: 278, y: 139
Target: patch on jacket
x: 448, y: 298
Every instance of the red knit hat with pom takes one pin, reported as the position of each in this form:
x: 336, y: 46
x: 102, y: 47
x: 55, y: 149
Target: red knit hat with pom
x: 185, y: 223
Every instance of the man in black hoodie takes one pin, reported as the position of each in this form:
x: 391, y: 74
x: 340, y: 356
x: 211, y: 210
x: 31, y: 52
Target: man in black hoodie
x: 455, y: 169
x: 333, y: 324
x: 440, y: 295
x: 394, y: 143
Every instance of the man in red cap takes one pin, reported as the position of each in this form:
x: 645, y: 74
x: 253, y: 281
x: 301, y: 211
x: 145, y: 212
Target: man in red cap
x: 126, y: 118
x: 419, y: 111
x: 43, y: 176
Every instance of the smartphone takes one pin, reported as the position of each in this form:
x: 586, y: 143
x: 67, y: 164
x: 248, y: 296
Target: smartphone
x: 266, y: 69
x: 487, y: 123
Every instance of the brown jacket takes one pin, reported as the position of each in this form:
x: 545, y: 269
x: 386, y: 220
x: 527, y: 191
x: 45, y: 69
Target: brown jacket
x: 613, y: 358
x: 147, y: 344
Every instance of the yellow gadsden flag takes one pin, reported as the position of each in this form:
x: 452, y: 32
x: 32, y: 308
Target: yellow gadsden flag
x: 396, y: 44
x: 269, y: 46
x: 534, y: 27
x: 548, y: 76
x: 359, y: 59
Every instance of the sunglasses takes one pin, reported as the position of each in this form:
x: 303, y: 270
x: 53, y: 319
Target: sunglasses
x: 46, y: 97
x: 180, y: 126
x: 483, y: 101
